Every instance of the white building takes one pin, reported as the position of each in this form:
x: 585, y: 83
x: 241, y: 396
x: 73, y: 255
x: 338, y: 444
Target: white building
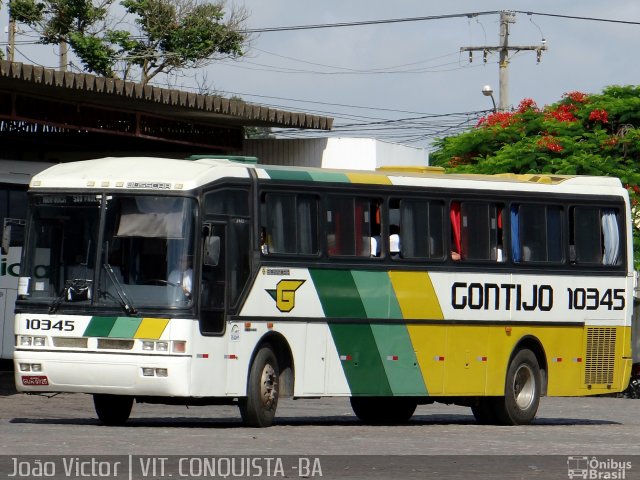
x: 345, y: 153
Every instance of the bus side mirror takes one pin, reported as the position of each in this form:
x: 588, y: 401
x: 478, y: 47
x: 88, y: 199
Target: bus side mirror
x: 212, y: 250
x: 12, y: 237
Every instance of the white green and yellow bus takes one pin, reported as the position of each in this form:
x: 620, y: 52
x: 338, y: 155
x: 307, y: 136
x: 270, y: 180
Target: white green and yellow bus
x: 394, y: 288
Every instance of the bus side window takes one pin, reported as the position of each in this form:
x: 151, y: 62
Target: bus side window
x: 421, y: 226
x: 595, y: 236
x: 289, y: 224
x: 351, y: 225
x: 481, y: 231
x: 539, y: 233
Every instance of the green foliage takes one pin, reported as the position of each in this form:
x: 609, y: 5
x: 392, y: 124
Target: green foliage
x: 179, y: 34
x: 95, y: 54
x: 579, y: 135
x: 26, y: 11
x: 166, y: 35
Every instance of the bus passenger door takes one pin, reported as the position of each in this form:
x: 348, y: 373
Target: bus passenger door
x: 213, y: 283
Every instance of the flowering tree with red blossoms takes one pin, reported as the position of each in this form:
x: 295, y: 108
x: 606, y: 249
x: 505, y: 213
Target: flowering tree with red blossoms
x: 581, y: 134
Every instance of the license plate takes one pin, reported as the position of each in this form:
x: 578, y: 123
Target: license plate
x: 35, y: 380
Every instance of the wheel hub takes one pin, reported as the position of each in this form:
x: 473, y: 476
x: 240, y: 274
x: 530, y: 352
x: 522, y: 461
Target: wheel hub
x: 524, y: 387
x: 268, y: 386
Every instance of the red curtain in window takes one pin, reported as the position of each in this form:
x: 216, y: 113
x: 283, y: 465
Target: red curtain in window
x: 454, y: 214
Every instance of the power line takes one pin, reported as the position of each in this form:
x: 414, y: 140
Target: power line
x: 368, y: 22
x: 574, y: 17
x: 435, y: 69
x: 431, y: 17
x: 373, y: 70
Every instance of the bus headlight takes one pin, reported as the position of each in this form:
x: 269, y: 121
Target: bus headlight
x: 29, y: 341
x: 162, y: 346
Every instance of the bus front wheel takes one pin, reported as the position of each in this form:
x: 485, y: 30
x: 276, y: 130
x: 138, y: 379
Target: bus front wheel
x: 258, y: 408
x: 522, y: 391
x: 113, y: 410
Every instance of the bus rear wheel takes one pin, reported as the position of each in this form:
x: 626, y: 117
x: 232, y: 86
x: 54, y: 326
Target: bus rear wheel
x: 113, y: 410
x: 483, y: 411
x: 258, y: 408
x: 383, y: 410
x: 522, y: 391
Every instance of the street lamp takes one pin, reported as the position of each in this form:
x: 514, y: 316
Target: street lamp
x: 487, y: 91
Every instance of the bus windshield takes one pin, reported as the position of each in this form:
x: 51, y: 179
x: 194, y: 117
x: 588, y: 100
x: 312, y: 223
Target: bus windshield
x: 115, y: 250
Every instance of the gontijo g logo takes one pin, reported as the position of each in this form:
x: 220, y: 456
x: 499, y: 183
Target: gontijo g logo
x: 285, y: 294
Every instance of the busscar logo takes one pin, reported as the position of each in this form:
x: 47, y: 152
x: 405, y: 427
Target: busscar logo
x: 285, y: 294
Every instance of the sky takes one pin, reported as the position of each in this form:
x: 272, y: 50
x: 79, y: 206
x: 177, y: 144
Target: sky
x: 402, y: 82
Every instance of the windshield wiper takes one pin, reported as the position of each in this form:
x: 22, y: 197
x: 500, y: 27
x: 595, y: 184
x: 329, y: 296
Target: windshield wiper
x: 122, y: 295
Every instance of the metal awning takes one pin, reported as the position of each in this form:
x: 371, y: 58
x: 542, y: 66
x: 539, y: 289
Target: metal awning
x: 38, y: 99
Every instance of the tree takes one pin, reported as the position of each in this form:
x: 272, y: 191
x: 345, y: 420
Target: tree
x: 258, y: 132
x: 579, y: 135
x: 165, y: 36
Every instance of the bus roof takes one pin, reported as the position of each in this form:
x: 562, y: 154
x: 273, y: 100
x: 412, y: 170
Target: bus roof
x: 163, y: 174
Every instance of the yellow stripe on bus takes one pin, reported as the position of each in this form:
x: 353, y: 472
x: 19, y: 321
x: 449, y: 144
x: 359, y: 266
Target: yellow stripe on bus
x: 151, y: 328
x: 416, y: 295
x: 370, y: 178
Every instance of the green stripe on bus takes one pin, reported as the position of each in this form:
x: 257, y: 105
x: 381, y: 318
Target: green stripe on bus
x: 338, y: 293
x: 99, y: 326
x: 377, y: 294
x: 329, y: 177
x: 399, y: 359
x: 288, y: 175
x: 125, y: 327
x: 360, y: 359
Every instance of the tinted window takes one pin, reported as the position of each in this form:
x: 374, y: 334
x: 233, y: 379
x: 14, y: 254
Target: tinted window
x: 595, y: 236
x: 289, y: 224
x: 421, y: 229
x: 350, y: 226
x: 539, y: 230
x: 228, y: 201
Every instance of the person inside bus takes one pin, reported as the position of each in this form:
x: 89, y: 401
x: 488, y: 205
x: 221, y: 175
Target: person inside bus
x: 264, y: 245
x: 182, y: 275
x: 375, y: 246
x: 394, y: 241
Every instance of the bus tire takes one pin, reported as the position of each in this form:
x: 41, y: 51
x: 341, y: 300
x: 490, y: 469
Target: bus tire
x: 258, y: 408
x: 383, y: 410
x: 483, y: 411
x: 521, y: 392
x: 113, y: 410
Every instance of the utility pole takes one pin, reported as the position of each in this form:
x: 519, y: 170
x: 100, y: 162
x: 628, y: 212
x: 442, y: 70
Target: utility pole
x: 506, y: 17
x: 11, y: 44
x: 64, y: 48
